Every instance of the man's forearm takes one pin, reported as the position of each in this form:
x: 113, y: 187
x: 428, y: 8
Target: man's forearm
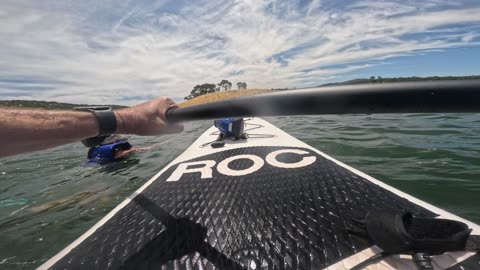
x: 30, y: 130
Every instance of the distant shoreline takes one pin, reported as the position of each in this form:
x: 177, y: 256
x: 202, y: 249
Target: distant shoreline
x: 47, y: 105
x: 379, y: 79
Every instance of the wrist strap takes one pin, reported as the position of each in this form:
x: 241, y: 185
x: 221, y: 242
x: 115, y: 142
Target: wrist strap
x: 107, y: 122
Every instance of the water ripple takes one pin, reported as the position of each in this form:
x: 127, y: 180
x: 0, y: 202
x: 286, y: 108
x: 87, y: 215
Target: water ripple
x: 49, y: 198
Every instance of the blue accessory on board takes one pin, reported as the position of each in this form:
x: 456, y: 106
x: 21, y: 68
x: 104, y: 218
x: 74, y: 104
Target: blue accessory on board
x: 230, y: 127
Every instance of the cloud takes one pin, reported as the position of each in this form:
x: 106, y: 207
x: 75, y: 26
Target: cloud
x: 123, y: 52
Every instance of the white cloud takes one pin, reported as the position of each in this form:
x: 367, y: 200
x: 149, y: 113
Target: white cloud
x: 123, y: 52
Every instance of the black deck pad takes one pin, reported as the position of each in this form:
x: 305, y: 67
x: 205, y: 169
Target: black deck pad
x: 274, y: 218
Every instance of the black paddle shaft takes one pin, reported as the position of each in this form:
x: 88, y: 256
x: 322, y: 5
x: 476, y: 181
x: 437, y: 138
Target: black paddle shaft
x: 405, y: 97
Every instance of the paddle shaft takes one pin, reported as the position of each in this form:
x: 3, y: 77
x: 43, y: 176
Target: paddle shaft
x: 405, y: 97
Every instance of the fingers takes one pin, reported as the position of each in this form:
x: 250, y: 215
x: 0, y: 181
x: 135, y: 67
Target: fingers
x: 172, y: 128
x: 170, y: 104
x: 167, y: 103
x: 148, y: 119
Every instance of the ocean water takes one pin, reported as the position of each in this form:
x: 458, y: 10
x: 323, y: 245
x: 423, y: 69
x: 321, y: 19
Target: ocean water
x: 49, y: 198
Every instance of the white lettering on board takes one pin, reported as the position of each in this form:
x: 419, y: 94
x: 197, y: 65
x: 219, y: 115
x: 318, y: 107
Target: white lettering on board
x: 272, y: 159
x: 205, y: 171
x: 224, y: 169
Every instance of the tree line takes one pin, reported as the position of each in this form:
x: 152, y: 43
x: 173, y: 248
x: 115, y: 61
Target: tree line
x: 223, y: 85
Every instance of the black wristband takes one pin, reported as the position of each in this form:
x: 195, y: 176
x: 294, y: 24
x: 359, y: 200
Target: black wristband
x: 107, y: 122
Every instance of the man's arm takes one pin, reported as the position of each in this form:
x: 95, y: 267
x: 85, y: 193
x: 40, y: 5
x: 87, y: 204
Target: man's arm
x: 30, y: 130
x: 121, y: 153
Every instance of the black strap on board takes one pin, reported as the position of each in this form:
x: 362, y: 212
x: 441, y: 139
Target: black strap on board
x: 421, y: 237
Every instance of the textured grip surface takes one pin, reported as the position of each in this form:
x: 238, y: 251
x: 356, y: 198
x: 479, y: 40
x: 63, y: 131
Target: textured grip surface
x: 274, y: 218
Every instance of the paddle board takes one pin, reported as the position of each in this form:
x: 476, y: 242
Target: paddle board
x: 268, y: 202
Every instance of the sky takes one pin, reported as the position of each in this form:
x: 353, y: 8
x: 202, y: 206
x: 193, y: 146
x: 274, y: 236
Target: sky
x: 126, y: 52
